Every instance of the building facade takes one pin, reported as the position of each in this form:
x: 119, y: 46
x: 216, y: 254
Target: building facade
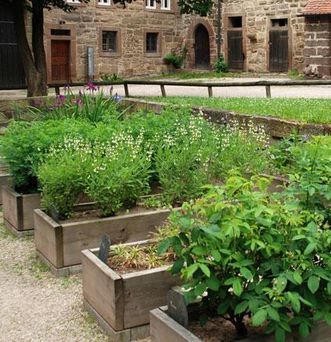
x: 127, y: 41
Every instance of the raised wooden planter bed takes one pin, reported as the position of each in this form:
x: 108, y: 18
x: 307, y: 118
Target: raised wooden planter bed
x: 164, y: 329
x: 60, y: 244
x: 5, y: 180
x: 121, y: 302
x: 18, y: 211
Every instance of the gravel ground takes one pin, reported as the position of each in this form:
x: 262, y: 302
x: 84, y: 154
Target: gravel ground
x: 36, y: 306
x: 153, y: 90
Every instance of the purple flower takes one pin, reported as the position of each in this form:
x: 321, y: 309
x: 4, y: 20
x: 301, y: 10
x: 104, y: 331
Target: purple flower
x: 79, y: 102
x: 66, y: 87
x: 91, y: 86
x: 117, y: 98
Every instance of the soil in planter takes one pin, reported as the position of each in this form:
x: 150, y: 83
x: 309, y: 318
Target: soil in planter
x: 219, y: 329
x: 128, y: 259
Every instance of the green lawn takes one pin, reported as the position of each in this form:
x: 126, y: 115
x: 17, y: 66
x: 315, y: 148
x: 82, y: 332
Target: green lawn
x: 299, y: 109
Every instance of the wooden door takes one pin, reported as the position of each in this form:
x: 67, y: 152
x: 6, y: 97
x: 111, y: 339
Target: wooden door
x: 235, y: 50
x: 60, y: 61
x: 11, y: 68
x: 278, y: 51
x: 201, y: 48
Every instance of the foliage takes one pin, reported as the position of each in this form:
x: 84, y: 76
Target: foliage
x: 183, y: 161
x: 311, y: 176
x: 176, y: 60
x: 109, y: 78
x: 89, y: 105
x: 24, y: 145
x: 63, y: 174
x: 200, y: 7
x: 220, y: 65
x: 120, y: 173
x: 299, y: 109
x: 256, y: 254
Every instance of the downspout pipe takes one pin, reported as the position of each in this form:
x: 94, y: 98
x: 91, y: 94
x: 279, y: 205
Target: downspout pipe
x: 218, y: 36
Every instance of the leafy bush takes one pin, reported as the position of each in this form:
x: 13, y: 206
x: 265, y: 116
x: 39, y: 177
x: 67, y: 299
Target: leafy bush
x: 176, y: 60
x: 120, y: 173
x: 183, y: 161
x: 63, y: 176
x: 220, y: 65
x: 256, y: 254
x: 24, y: 145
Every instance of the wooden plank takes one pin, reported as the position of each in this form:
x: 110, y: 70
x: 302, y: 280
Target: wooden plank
x: 103, y: 290
x: 48, y: 238
x: 5, y: 180
x: 165, y: 329
x: 87, y: 234
x: 268, y: 91
x: 163, y: 92
x: 30, y: 203
x: 145, y: 291
x: 210, y: 91
x: 126, y: 89
x: 10, y: 207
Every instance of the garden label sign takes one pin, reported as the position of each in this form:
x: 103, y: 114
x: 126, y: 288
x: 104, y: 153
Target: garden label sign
x: 104, y: 248
x: 177, y: 308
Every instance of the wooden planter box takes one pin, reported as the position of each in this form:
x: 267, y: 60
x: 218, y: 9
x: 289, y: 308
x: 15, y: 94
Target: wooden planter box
x: 60, y: 244
x: 18, y: 211
x: 121, y: 303
x: 5, y: 180
x: 164, y: 329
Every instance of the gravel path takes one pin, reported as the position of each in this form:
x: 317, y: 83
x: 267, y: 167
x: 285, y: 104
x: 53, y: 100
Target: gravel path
x: 36, y: 306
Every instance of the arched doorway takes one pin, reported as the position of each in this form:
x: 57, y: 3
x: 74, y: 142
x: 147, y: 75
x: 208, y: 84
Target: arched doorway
x: 201, y: 47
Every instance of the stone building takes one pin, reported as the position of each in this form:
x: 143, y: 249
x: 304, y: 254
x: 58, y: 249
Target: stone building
x: 264, y: 35
x: 255, y: 35
x: 126, y: 42
x: 317, y: 50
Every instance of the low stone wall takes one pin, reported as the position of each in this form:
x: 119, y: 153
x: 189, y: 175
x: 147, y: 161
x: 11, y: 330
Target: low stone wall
x: 274, y: 127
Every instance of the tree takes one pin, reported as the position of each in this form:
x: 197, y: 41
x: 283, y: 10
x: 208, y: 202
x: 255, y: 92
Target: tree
x: 33, y: 57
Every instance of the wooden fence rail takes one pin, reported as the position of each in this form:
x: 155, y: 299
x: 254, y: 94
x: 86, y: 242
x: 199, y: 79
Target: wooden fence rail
x: 208, y: 85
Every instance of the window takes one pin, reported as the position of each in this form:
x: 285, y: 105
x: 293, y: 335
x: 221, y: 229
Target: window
x: 151, y: 42
x: 235, y: 22
x: 56, y: 32
x: 165, y: 4
x: 104, y: 2
x: 278, y: 22
x: 73, y: 1
x: 109, y: 41
x: 150, y: 3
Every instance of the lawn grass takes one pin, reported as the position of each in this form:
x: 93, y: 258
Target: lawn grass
x: 189, y: 75
x: 298, y: 109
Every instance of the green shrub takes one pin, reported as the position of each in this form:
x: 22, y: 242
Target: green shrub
x: 120, y: 173
x: 220, y: 65
x: 256, y: 255
x: 176, y: 60
x: 63, y: 176
x: 24, y: 145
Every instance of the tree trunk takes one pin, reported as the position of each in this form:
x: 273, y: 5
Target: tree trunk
x: 38, y: 45
x: 32, y: 74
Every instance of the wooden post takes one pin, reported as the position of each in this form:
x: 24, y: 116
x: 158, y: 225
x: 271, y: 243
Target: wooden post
x: 57, y: 90
x: 126, y: 89
x: 210, y: 91
x: 268, y: 91
x: 163, y: 92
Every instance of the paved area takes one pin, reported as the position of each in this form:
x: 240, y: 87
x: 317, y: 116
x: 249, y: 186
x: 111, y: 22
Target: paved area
x: 256, y: 91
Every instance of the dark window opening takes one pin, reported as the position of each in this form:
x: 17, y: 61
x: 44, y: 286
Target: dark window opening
x: 55, y: 32
x: 109, y: 41
x: 235, y: 22
x: 151, y: 41
x: 278, y: 22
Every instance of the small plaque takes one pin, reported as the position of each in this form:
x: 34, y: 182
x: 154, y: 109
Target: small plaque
x: 177, y: 308
x: 104, y: 248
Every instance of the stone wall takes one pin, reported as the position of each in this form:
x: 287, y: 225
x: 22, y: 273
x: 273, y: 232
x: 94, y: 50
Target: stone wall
x: 132, y: 23
x: 257, y: 15
x: 317, y: 50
